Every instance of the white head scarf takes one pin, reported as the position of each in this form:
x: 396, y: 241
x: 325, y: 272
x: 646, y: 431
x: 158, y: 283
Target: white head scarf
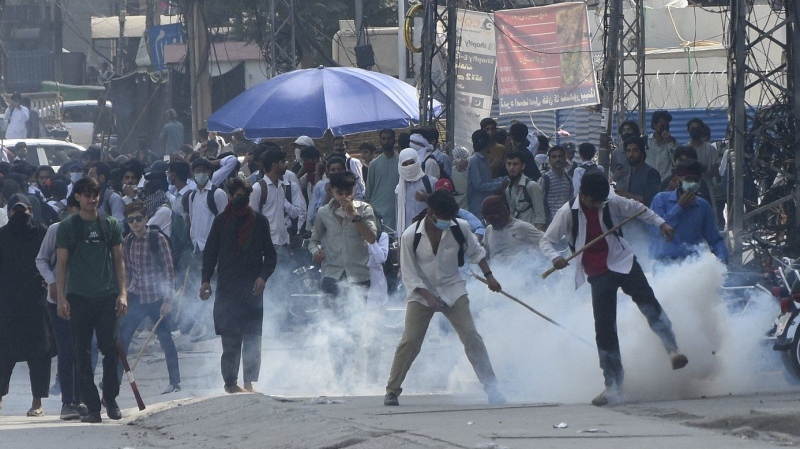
x: 420, y: 144
x: 408, y: 173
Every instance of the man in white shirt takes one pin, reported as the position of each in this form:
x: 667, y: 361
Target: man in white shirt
x: 609, y: 265
x: 205, y: 204
x: 507, y: 238
x: 16, y: 118
x: 269, y: 196
x: 424, y: 150
x: 430, y: 254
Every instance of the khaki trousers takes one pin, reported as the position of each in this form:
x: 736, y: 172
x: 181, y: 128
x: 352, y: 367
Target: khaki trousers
x: 418, y: 317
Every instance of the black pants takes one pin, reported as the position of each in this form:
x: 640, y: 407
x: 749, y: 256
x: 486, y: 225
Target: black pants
x: 332, y: 288
x: 604, y: 304
x: 95, y: 316
x: 39, y: 372
x: 236, y: 347
x: 137, y: 312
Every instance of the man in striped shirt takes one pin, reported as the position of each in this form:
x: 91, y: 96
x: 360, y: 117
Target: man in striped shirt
x: 151, y: 277
x: 556, y: 186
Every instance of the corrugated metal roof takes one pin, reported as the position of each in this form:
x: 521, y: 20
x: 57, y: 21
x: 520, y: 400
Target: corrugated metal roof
x: 584, y: 125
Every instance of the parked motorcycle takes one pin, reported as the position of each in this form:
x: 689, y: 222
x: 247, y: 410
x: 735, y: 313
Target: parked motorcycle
x: 786, y: 331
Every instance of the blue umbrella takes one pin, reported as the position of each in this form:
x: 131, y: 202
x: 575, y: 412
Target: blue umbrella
x: 309, y: 102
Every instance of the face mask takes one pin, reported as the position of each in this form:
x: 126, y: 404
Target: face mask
x: 626, y: 136
x: 696, y: 133
x: 240, y: 201
x: 690, y: 186
x: 75, y: 177
x: 201, y: 179
x: 442, y: 224
x: 409, y: 172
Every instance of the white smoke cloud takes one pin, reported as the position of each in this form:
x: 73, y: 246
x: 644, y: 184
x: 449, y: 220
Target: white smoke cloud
x: 534, y: 360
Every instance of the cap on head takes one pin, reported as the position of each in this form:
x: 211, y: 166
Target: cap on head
x: 445, y: 184
x: 18, y: 199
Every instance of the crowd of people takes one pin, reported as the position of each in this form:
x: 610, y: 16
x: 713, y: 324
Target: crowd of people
x: 127, y: 234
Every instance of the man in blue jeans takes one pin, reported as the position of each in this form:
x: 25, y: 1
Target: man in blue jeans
x: 151, y: 278
x: 609, y: 265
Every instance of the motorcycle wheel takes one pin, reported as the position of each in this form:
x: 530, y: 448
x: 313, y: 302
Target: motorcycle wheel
x: 791, y: 359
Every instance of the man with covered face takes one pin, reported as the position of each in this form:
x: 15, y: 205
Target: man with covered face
x: 24, y: 329
x: 690, y: 216
x: 412, y: 190
x: 240, y: 249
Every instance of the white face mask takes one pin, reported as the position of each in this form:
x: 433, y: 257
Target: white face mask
x: 410, y: 172
x: 75, y: 177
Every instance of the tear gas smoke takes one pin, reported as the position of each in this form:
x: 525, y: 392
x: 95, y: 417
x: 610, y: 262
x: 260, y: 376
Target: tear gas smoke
x: 350, y: 352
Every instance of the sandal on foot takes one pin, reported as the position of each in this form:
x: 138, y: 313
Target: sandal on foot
x: 35, y: 412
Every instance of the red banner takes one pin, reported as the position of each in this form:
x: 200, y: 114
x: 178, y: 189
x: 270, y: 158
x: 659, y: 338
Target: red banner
x: 544, y: 58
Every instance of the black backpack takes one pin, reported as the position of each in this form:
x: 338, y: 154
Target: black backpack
x: 212, y: 205
x: 457, y: 234
x: 153, y: 233
x: 606, y: 220
x: 442, y: 171
x: 287, y: 194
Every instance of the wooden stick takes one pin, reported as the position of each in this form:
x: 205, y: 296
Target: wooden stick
x: 546, y: 318
x: 129, y: 373
x: 601, y: 237
x: 150, y: 338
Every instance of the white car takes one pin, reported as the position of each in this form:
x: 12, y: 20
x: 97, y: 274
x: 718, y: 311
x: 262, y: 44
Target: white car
x: 54, y: 153
x: 78, y: 117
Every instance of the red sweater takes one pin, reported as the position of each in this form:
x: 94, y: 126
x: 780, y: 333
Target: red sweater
x: 596, y: 256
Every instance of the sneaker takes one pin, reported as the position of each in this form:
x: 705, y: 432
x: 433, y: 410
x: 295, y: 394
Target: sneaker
x: 172, y: 389
x: 609, y: 396
x: 69, y: 412
x: 390, y: 399
x: 92, y: 417
x: 248, y: 386
x: 112, y: 409
x: 678, y: 360
x: 495, y: 397
x: 83, y: 410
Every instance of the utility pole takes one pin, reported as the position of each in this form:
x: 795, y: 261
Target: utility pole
x: 123, y: 11
x: 613, y: 25
x: 439, y: 88
x: 200, y: 77
x: 153, y: 17
x: 792, y: 35
x: 58, y: 38
x: 361, y: 35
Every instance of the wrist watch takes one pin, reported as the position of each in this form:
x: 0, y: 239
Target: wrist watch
x: 357, y: 218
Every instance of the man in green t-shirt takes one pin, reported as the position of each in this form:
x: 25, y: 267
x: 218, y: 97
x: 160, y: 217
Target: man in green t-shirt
x: 91, y: 293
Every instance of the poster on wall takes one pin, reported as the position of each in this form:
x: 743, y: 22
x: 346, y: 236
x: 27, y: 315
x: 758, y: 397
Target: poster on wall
x: 544, y: 58
x: 475, y: 73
